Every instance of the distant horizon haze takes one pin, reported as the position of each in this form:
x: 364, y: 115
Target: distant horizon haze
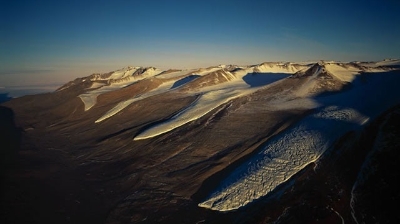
x: 46, y: 42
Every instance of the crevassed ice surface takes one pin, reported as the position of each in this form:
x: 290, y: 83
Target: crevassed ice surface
x: 283, y: 157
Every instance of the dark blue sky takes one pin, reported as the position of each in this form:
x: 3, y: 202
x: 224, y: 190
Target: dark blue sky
x: 65, y: 39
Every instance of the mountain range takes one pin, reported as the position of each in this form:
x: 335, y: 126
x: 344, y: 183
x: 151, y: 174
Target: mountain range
x: 277, y: 142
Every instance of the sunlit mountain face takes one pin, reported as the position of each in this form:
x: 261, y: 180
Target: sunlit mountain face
x: 277, y: 142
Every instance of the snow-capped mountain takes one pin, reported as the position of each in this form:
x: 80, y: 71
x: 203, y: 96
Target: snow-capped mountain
x: 227, y: 143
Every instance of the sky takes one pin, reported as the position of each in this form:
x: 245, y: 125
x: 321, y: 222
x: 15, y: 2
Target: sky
x: 46, y: 42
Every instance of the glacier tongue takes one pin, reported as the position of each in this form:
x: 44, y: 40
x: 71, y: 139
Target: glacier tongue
x: 282, y: 157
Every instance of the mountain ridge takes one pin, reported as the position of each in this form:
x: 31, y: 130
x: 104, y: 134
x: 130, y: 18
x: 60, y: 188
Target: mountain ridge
x: 219, y: 143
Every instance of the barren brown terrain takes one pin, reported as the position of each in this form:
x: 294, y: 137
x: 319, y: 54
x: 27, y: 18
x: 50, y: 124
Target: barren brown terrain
x: 61, y: 166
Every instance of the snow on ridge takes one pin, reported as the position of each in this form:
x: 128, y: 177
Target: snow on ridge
x: 137, y: 75
x: 117, y: 74
x: 279, y: 67
x: 347, y: 72
x: 205, y: 71
x: 96, y: 85
x: 116, y: 80
x: 218, y: 87
x: 218, y: 77
x: 176, y: 74
x: 126, y: 76
x: 387, y: 61
x: 311, y: 74
x: 342, y: 73
x: 129, y: 75
x: 125, y: 72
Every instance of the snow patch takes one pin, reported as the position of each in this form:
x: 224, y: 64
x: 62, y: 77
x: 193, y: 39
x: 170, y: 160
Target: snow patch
x: 278, y: 68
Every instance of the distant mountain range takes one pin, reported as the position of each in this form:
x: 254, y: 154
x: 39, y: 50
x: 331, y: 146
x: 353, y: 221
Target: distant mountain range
x: 277, y: 142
